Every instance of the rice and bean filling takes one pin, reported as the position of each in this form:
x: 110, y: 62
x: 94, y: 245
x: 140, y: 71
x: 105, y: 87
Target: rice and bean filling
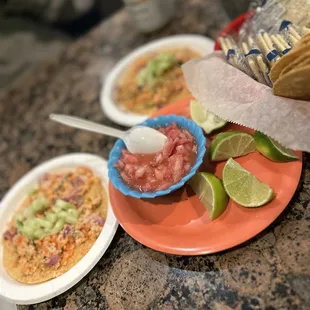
x: 153, y: 82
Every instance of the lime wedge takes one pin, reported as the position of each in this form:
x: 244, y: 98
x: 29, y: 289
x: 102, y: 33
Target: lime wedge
x: 211, y: 192
x: 243, y: 187
x: 272, y: 149
x: 231, y: 144
x: 205, y: 119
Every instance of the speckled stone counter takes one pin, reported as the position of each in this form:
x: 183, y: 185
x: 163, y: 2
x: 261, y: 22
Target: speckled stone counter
x: 272, y: 271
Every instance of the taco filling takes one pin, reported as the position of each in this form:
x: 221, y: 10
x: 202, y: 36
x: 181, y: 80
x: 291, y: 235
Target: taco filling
x: 55, y: 226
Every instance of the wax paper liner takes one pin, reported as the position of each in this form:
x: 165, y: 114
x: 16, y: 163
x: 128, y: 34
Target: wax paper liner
x: 160, y: 121
x: 235, y: 97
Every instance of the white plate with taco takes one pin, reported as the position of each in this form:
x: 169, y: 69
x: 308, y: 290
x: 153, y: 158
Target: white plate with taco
x: 150, y: 77
x: 56, y: 223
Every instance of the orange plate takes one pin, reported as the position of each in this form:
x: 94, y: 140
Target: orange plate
x: 179, y: 224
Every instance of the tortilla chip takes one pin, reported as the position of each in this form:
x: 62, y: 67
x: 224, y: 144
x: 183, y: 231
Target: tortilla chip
x: 294, y: 84
x: 47, y: 273
x: 301, y: 47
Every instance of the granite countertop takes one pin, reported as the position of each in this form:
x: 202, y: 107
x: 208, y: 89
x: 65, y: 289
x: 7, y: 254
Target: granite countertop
x: 271, y: 271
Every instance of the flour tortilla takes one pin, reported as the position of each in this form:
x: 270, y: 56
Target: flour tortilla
x: 47, y: 273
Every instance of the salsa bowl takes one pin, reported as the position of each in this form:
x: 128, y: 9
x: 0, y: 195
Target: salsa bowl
x: 160, y: 121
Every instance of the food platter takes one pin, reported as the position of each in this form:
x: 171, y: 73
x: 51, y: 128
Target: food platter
x: 20, y: 293
x: 179, y: 224
x: 200, y: 44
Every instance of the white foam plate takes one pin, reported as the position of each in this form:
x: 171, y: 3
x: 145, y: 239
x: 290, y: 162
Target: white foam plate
x: 200, y: 44
x: 20, y: 293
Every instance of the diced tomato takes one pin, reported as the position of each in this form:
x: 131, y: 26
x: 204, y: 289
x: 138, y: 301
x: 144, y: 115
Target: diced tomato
x: 125, y: 177
x: 146, y: 187
x: 168, y: 148
x: 188, y: 147
x: 174, y: 133
x: 159, y: 174
x: 177, y: 167
x: 164, y: 186
x: 151, y: 172
x: 120, y: 165
x: 130, y: 159
x: 180, y: 149
x: 140, y: 172
x: 187, y: 167
x: 159, y: 158
x: 129, y: 169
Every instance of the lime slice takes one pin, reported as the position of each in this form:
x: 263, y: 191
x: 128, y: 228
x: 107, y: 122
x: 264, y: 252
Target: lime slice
x: 272, y: 149
x: 231, y: 144
x: 243, y: 187
x: 211, y: 192
x: 205, y: 119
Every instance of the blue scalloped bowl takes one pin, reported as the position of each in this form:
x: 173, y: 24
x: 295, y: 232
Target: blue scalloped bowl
x: 159, y: 121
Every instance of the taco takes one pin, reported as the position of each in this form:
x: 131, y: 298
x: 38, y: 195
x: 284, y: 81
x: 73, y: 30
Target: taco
x: 55, y: 226
x: 294, y: 84
x: 298, y: 50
